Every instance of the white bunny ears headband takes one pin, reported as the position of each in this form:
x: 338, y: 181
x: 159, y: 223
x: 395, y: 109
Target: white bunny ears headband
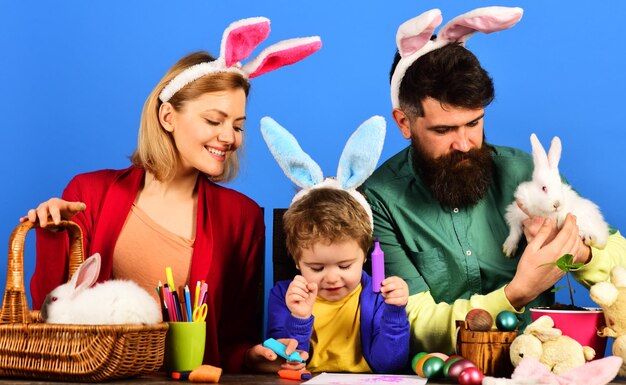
x: 238, y: 42
x: 414, y: 36
x: 358, y: 159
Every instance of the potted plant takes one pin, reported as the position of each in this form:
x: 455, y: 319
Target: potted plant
x: 579, y: 323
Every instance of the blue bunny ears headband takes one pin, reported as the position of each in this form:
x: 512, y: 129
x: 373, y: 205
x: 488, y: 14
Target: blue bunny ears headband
x: 414, y: 36
x: 357, y: 162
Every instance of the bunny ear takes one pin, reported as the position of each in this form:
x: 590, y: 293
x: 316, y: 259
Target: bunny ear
x: 413, y: 34
x: 296, y: 164
x: 282, y: 54
x: 539, y: 153
x: 554, y: 153
x: 242, y: 37
x: 485, y: 20
x: 87, y: 273
x: 360, y: 155
x: 596, y: 372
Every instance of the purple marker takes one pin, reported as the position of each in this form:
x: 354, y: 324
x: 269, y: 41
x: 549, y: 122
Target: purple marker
x: 378, y: 267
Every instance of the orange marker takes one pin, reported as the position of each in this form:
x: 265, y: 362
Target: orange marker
x: 298, y: 375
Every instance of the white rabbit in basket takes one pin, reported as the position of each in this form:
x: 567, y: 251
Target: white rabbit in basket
x: 545, y: 195
x: 81, y: 302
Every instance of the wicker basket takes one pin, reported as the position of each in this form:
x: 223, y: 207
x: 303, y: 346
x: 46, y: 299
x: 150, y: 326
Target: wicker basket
x: 86, y: 353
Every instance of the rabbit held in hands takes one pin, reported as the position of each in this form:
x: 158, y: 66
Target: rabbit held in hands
x: 545, y: 195
x: 81, y: 302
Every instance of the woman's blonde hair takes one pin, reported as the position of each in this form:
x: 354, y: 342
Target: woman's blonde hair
x: 156, y: 151
x: 326, y: 215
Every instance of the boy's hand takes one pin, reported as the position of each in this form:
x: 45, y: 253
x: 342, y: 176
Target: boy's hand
x: 262, y: 359
x: 395, y: 291
x: 300, y: 297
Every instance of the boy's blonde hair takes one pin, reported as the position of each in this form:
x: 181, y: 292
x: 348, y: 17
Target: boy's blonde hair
x: 326, y: 215
x: 156, y: 151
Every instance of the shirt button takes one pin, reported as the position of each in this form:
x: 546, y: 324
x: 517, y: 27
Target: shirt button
x: 468, y: 252
x: 456, y: 210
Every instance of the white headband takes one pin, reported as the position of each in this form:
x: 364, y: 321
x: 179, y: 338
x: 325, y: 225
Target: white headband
x: 357, y: 162
x: 414, y: 36
x: 238, y: 42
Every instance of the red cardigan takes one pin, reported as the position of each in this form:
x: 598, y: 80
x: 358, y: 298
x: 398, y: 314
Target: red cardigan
x: 228, y: 253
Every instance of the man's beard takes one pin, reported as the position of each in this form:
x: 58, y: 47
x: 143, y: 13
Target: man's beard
x: 459, y: 179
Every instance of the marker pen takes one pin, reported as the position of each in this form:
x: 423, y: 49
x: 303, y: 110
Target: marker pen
x: 291, y: 374
x: 378, y: 267
x: 180, y: 375
x: 279, y: 349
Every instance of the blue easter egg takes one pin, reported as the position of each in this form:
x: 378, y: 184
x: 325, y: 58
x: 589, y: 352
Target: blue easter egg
x: 506, y: 321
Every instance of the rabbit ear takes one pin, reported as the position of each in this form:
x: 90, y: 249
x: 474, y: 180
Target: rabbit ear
x: 87, y: 273
x: 554, y: 153
x: 539, y: 153
x: 242, y: 37
x: 282, y: 54
x: 296, y: 164
x: 485, y: 20
x: 360, y: 155
x: 414, y: 34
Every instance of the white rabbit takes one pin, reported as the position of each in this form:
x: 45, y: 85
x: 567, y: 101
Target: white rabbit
x: 107, y: 303
x: 545, y: 195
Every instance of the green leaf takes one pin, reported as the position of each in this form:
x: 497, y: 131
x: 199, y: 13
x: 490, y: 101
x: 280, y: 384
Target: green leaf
x: 557, y: 288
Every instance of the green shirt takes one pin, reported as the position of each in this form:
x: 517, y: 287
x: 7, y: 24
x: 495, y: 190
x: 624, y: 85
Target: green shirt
x: 451, y: 252
x: 452, y: 259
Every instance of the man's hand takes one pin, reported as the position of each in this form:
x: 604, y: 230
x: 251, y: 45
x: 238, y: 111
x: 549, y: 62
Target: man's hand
x: 532, y: 279
x: 580, y: 251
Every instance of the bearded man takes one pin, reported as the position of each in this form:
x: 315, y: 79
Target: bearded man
x: 439, y: 207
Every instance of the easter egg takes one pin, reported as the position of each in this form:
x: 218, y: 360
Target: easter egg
x: 444, y: 357
x: 416, y: 358
x: 478, y: 320
x: 506, y: 321
x: 448, y: 363
x: 419, y: 365
x: 433, y: 367
x: 457, y: 367
x: 452, y: 357
x: 471, y: 376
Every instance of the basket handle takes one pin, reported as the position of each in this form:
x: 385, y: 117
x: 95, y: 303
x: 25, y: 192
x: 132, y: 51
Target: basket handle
x: 15, y: 305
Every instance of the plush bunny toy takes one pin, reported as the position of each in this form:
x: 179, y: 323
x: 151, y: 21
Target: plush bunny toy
x: 545, y: 195
x: 541, y: 341
x: 611, y: 296
x: 358, y: 159
x: 532, y: 372
x: 81, y: 302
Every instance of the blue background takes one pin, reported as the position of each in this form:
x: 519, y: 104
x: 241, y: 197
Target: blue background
x: 74, y: 76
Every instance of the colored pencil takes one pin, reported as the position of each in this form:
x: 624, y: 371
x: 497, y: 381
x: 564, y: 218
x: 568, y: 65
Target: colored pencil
x: 188, y: 300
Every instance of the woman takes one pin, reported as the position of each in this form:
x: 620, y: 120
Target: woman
x: 166, y: 210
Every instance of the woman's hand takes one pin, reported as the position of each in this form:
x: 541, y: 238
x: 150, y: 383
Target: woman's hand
x: 262, y: 359
x: 300, y: 297
x: 56, y: 209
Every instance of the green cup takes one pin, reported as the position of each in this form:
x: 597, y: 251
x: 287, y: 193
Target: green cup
x: 184, y: 345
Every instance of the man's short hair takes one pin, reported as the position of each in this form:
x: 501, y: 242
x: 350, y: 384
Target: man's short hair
x: 450, y: 74
x: 328, y: 216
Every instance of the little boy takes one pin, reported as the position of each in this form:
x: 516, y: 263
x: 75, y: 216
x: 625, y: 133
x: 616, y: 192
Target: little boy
x: 330, y: 309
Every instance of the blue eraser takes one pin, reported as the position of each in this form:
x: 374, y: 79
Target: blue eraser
x: 279, y: 349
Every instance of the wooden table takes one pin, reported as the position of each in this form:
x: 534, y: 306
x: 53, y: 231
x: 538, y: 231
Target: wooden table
x: 236, y: 379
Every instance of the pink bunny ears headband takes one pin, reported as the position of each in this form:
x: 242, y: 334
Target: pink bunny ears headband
x: 414, y: 36
x: 238, y: 42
